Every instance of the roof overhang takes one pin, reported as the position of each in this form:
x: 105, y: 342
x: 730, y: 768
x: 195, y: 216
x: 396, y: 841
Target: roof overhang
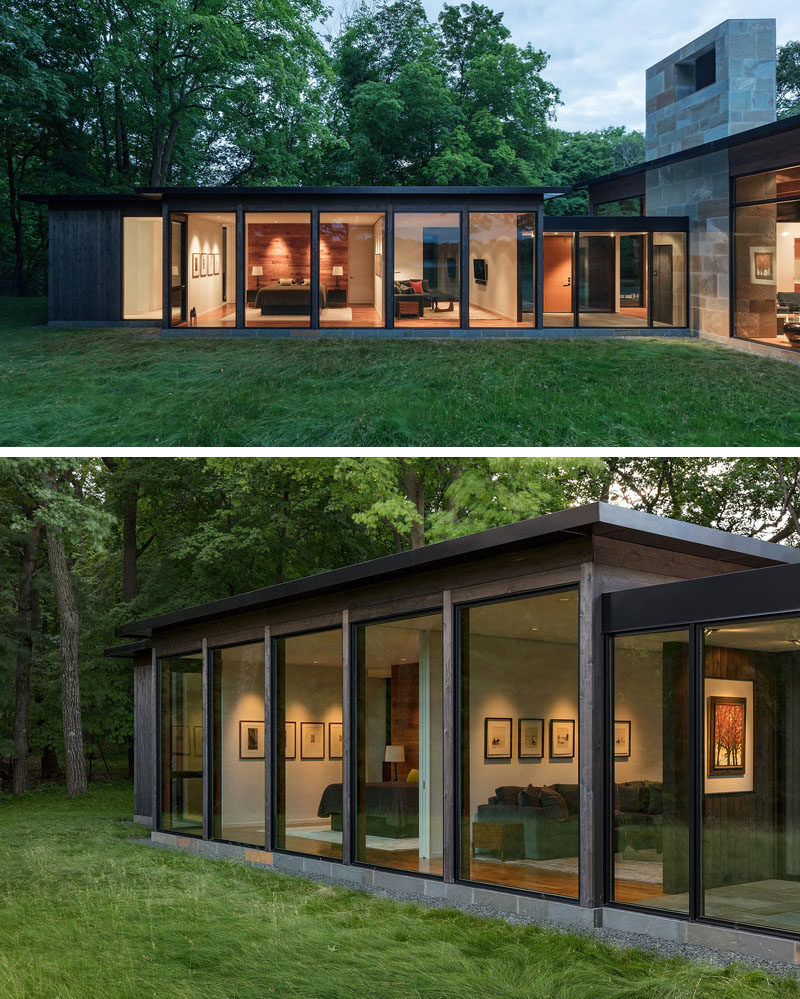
x: 127, y: 651
x: 594, y: 518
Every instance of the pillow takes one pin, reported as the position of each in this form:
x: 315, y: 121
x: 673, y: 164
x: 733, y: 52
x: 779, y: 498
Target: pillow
x: 569, y: 792
x: 405, y: 287
x: 284, y: 280
x: 529, y: 797
x: 554, y: 805
x: 425, y: 287
x: 508, y: 795
x: 416, y: 287
x: 397, y: 288
x: 413, y: 777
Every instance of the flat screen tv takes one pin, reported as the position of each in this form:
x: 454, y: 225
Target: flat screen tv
x: 479, y: 270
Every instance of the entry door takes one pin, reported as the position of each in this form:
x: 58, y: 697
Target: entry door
x: 177, y: 270
x: 557, y: 273
x: 360, y: 278
x: 662, y: 284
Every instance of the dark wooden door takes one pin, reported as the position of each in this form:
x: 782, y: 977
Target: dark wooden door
x: 662, y: 285
x: 598, y: 272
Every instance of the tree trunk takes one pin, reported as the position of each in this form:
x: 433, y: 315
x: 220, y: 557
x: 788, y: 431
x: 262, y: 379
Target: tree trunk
x: 27, y: 617
x: 130, y: 551
x: 70, y: 683
x: 414, y: 488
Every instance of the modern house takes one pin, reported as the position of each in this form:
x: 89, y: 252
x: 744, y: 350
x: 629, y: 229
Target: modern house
x: 592, y: 716
x: 654, y: 255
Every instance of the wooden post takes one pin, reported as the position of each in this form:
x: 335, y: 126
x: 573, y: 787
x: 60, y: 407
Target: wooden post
x: 449, y: 749
x: 269, y: 738
x: 388, y: 268
x: 241, y: 268
x: 591, y: 741
x: 207, y: 742
x: 348, y: 743
x: 166, y: 269
x: 315, y: 282
x: 463, y: 270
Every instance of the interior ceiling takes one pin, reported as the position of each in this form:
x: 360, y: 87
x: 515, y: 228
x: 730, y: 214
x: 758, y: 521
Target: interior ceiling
x: 775, y: 635
x: 299, y: 218
x: 229, y: 218
x: 548, y: 617
x: 350, y: 218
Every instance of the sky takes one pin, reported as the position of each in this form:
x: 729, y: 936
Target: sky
x: 599, y: 51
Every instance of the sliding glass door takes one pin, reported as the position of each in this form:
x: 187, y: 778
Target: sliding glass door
x: 181, y: 697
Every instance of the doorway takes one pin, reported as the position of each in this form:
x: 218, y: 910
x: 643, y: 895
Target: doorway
x: 662, y: 285
x: 177, y: 270
x: 558, y: 280
x: 360, y: 264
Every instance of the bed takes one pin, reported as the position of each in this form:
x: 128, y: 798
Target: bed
x: 391, y: 807
x: 288, y: 299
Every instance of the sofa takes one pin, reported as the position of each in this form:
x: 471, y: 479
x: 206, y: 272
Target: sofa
x: 638, y: 815
x: 428, y: 298
x: 548, y: 831
x: 788, y: 302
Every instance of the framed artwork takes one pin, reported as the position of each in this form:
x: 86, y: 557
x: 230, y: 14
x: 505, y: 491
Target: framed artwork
x: 290, y: 746
x: 334, y: 740
x: 562, y: 738
x: 197, y: 740
x: 622, y: 739
x: 378, y: 265
x: 180, y: 740
x: 195, y: 265
x: 216, y: 263
x: 727, y: 730
x: 203, y: 264
x: 251, y: 740
x: 312, y: 740
x: 530, y: 741
x: 497, y: 738
x: 762, y: 264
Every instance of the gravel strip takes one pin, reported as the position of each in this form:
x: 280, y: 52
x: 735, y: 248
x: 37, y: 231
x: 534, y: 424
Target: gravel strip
x: 615, y: 938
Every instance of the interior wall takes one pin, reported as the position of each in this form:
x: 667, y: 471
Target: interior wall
x: 376, y: 728
x: 377, y: 242
x: 204, y: 236
x: 408, y: 247
x: 516, y: 678
x: 313, y: 694
x: 242, y: 700
x: 334, y: 238
x: 756, y: 305
x: 494, y: 238
x: 642, y: 705
x: 282, y: 249
x: 142, y: 254
x: 787, y: 263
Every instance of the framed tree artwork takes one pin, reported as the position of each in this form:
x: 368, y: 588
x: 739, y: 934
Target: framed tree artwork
x: 251, y: 740
x: 290, y: 746
x: 562, y: 738
x: 334, y: 740
x: 727, y: 729
x: 530, y: 741
x: 312, y: 740
x: 497, y: 738
x: 622, y: 739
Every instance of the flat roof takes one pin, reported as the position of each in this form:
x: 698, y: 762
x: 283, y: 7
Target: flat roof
x: 332, y: 192
x: 726, y: 142
x: 594, y: 518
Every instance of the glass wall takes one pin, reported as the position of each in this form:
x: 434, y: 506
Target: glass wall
x: 278, y: 269
x: 426, y: 269
x: 767, y: 258
x: 751, y: 795
x: 308, y: 718
x: 559, y: 279
x: 238, y: 743
x: 399, y: 757
x: 612, y: 271
x: 502, y: 269
x: 351, y: 269
x: 182, y: 744
x: 142, y: 254
x: 202, y: 269
x: 650, y: 842
x: 519, y: 743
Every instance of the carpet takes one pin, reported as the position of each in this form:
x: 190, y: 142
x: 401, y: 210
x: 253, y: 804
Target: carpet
x: 336, y: 315
x: 386, y: 843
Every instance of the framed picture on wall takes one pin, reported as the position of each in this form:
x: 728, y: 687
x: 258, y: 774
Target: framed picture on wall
x: 290, y: 747
x: 562, y: 738
x: 530, y: 743
x: 497, y: 738
x: 334, y: 740
x: 312, y: 740
x: 180, y: 740
x: 622, y: 739
x: 197, y: 740
x: 727, y: 736
x: 216, y: 263
x: 762, y: 264
x: 378, y: 265
x: 251, y: 740
x: 195, y: 265
x: 203, y: 264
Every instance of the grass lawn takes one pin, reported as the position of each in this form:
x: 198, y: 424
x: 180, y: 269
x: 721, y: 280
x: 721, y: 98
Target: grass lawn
x: 118, y: 387
x: 85, y: 914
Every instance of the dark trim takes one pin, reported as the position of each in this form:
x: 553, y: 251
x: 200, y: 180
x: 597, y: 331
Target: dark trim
x: 240, y: 278
x: 609, y: 777
x: 127, y: 651
x: 388, y: 266
x: 207, y: 711
x: 648, y: 253
x: 695, y: 788
x: 604, y: 224
x: 463, y: 269
x: 332, y: 193
x: 538, y: 276
x: 314, y: 256
x: 349, y: 741
x: 602, y: 518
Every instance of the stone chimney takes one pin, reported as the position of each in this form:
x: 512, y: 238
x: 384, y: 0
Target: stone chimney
x: 721, y: 83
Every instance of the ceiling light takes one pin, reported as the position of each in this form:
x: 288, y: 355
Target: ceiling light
x: 534, y: 629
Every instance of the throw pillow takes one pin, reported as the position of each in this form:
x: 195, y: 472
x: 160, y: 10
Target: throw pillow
x: 529, y: 797
x: 554, y: 805
x: 569, y: 792
x: 397, y: 288
x: 413, y: 777
x: 416, y: 287
x: 507, y: 795
x: 284, y: 280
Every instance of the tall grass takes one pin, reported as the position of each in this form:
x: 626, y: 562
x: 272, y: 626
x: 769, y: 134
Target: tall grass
x: 121, y: 387
x: 85, y: 913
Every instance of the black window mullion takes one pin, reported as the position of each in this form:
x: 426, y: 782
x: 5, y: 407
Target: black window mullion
x: 695, y: 770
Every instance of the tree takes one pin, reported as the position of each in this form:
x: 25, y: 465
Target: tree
x: 581, y: 156
x: 788, y: 80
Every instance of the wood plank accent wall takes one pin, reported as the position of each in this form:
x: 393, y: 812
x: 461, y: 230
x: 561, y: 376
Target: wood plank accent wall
x: 85, y: 279
x: 333, y: 251
x: 283, y: 249
x: 143, y: 762
x: 739, y: 830
x: 405, y: 715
